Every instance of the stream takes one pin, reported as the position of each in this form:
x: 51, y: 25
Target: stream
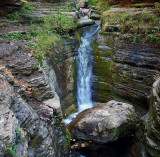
x: 120, y: 148
x: 84, y: 71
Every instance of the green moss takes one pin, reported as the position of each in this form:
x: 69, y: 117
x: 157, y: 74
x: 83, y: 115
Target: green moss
x: 153, y: 152
x: 74, y: 76
x: 67, y: 136
x: 35, y: 142
x: 106, y: 72
x: 141, y: 5
x: 20, y: 132
x: 157, y: 5
x: 78, y: 34
x: 102, y: 5
x: 10, y: 151
x: 120, y: 131
x: 70, y: 110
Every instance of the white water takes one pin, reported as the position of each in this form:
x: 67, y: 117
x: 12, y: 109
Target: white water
x: 84, y: 72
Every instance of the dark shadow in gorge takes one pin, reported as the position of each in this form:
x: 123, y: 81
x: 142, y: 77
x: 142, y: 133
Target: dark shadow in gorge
x: 123, y: 147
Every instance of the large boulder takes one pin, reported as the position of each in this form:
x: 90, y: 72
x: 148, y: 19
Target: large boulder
x: 104, y: 123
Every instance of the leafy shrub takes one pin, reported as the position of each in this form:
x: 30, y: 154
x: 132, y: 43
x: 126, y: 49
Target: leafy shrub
x: 59, y: 23
x: 68, y: 7
x: 157, y: 5
x: 10, y: 150
x: 45, y: 42
x: 102, y: 4
x: 47, y: 35
x: 16, y: 36
x: 143, y: 26
x: 26, y: 8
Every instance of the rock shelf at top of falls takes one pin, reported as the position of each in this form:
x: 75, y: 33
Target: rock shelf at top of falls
x: 85, y: 22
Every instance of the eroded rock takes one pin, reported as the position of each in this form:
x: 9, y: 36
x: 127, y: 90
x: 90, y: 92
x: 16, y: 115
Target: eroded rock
x: 151, y: 123
x: 25, y: 130
x: 104, y: 122
x: 30, y: 112
x: 123, y: 69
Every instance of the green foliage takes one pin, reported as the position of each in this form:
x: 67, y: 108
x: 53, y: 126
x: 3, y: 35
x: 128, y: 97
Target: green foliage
x: 31, y: 44
x: 157, y: 5
x: 92, y: 2
x: 47, y: 36
x: 68, y: 7
x: 26, y: 8
x: 102, y: 5
x: 31, y: 20
x: 14, y: 15
x: 57, y: 118
x: 67, y: 136
x: 130, y: 116
x: 45, y: 43
x: 141, y: 26
x: 59, y: 23
x: 152, y: 37
x: 10, y: 151
x: 16, y: 36
x: 20, y: 132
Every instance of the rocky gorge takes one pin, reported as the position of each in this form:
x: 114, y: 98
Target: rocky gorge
x: 38, y: 92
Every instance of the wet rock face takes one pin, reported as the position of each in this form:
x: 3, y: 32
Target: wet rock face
x: 104, y: 122
x: 124, y: 70
x: 64, y: 62
x: 151, y: 123
x: 30, y: 113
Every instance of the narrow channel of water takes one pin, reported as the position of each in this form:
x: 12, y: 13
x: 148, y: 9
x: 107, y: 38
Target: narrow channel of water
x: 84, y: 71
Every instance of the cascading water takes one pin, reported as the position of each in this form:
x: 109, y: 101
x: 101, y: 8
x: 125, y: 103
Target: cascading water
x: 84, y: 71
x: 84, y: 62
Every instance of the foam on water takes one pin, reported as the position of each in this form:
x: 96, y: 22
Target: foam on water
x: 84, y: 72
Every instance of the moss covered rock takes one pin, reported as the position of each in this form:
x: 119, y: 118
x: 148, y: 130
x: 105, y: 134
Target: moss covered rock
x: 123, y: 70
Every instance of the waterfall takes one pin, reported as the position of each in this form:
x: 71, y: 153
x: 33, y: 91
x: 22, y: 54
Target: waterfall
x: 84, y: 71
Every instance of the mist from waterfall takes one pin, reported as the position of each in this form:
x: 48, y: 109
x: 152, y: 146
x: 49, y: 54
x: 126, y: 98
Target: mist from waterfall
x: 84, y: 71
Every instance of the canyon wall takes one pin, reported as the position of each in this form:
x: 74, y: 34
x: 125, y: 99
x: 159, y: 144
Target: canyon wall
x: 31, y: 116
